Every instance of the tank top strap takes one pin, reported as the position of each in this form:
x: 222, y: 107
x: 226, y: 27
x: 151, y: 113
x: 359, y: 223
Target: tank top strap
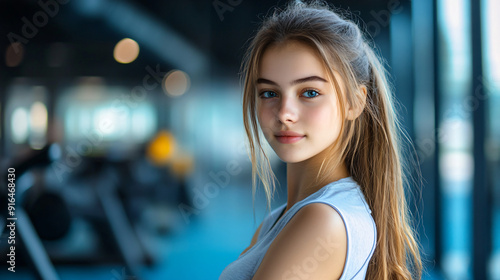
x: 270, y: 221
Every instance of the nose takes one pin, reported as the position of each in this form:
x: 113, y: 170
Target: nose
x: 288, y: 110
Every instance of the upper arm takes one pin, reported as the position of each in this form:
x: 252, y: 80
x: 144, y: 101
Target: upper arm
x: 313, y: 245
x: 253, y: 241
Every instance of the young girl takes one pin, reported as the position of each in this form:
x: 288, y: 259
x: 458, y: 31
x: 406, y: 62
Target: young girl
x: 321, y: 99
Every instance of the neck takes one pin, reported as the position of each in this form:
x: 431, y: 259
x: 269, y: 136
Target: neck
x: 302, y: 175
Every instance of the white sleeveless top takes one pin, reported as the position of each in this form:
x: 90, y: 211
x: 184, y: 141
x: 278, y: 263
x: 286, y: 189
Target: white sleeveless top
x: 346, y: 198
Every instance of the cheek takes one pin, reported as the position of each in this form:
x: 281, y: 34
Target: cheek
x: 264, y: 115
x: 324, y: 118
x: 260, y: 117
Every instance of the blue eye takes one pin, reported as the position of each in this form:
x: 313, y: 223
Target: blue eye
x: 268, y: 94
x: 310, y: 93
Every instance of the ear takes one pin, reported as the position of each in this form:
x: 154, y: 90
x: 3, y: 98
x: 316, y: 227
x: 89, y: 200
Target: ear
x: 354, y: 112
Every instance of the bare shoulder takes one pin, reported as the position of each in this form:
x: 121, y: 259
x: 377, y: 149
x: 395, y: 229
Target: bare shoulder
x: 312, y: 245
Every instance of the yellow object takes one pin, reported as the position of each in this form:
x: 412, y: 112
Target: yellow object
x: 161, y: 148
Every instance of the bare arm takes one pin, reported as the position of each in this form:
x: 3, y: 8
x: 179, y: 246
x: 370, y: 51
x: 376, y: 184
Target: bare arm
x: 313, y: 245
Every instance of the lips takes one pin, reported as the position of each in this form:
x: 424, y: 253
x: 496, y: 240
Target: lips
x: 288, y: 137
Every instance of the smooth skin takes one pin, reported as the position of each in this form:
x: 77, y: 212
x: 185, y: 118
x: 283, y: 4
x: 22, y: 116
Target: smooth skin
x: 296, y: 94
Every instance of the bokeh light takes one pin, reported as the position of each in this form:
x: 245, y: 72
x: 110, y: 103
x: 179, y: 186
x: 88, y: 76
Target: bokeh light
x: 38, y: 117
x: 38, y: 125
x: 126, y: 51
x: 176, y: 83
x: 14, y: 54
x: 161, y: 148
x: 19, y: 125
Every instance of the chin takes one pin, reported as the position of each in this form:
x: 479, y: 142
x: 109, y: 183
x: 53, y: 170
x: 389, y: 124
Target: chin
x: 291, y: 158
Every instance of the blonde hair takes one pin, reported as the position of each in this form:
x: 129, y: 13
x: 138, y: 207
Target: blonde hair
x: 369, y: 145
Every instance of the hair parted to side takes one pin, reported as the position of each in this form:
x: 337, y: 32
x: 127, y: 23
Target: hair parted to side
x: 369, y: 145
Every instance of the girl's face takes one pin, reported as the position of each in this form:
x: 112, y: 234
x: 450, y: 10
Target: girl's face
x: 297, y: 104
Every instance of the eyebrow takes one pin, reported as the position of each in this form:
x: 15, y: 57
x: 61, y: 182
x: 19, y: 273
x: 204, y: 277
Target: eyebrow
x: 298, y: 81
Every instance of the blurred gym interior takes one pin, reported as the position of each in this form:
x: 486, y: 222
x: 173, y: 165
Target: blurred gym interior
x: 121, y: 121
